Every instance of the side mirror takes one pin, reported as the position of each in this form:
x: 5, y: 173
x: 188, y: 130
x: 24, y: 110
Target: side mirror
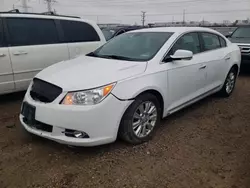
x: 182, y: 55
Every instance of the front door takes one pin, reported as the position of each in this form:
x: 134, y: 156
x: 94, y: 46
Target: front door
x: 186, y: 78
x: 6, y: 73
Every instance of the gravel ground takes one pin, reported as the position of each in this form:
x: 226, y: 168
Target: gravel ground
x: 204, y: 146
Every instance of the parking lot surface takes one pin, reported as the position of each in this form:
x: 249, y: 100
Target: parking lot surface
x: 204, y: 146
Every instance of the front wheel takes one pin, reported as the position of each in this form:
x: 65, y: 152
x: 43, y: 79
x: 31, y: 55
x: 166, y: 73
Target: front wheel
x: 140, y: 119
x: 229, y: 84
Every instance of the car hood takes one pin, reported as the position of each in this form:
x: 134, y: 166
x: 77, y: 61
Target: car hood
x: 89, y: 72
x: 240, y: 40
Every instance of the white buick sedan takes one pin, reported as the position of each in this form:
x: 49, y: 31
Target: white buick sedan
x: 124, y: 88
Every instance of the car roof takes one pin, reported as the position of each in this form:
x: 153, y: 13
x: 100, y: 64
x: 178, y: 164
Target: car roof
x: 176, y: 29
x: 43, y: 16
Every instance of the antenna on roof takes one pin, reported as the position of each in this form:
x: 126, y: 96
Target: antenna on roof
x: 14, y: 10
x: 48, y: 13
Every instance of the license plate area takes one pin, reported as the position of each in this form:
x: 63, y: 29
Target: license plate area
x: 29, y: 112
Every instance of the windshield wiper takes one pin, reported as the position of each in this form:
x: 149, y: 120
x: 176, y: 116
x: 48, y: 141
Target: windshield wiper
x: 241, y: 37
x: 92, y: 54
x: 118, y: 57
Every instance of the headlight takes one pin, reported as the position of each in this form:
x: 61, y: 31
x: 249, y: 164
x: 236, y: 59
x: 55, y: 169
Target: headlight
x: 88, y: 97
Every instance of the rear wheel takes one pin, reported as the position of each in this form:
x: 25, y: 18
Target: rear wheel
x: 140, y: 119
x: 229, y: 84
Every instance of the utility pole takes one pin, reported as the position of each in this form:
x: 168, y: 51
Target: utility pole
x: 143, y: 18
x: 49, y: 5
x: 24, y: 5
x: 184, y: 15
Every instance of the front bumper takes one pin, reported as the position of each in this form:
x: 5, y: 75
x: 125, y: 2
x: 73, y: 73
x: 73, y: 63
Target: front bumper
x: 100, y: 122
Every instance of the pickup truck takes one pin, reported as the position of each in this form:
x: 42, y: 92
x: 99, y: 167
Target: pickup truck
x: 241, y: 37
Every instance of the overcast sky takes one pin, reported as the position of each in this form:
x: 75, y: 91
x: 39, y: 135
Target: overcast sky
x: 129, y: 11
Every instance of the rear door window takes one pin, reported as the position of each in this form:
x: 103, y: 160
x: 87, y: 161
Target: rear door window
x: 78, y: 32
x: 31, y: 31
x: 211, y: 41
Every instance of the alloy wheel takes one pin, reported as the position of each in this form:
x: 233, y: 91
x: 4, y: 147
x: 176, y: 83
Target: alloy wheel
x: 230, y: 82
x: 144, y: 119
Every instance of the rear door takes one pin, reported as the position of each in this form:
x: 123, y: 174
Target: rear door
x: 81, y: 37
x: 6, y: 73
x: 216, y: 56
x: 34, y: 45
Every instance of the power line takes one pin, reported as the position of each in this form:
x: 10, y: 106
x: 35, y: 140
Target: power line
x: 132, y: 2
x: 203, y: 12
x: 128, y: 4
x: 166, y: 14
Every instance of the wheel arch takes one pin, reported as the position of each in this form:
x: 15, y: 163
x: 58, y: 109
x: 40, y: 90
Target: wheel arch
x: 154, y: 92
x: 235, y: 66
x: 158, y: 95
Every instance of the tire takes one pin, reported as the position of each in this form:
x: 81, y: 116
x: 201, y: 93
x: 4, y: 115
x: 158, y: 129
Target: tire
x: 225, y: 91
x: 134, y: 118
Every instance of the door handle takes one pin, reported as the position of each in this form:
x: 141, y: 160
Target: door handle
x: 203, y: 67
x: 2, y: 55
x: 228, y: 58
x: 20, y: 53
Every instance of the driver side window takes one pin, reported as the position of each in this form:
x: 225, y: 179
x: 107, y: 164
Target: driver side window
x: 189, y: 42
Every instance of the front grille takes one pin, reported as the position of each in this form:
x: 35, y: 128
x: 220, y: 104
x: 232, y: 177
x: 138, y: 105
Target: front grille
x: 44, y: 91
x: 39, y: 126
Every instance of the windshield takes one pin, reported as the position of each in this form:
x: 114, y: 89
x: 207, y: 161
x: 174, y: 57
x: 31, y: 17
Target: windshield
x: 242, y: 32
x: 108, y: 33
x: 137, y: 46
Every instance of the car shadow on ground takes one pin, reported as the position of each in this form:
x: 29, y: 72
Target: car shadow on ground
x: 245, y: 70
x: 11, y: 98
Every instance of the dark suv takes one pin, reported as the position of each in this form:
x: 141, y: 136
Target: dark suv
x: 241, y: 36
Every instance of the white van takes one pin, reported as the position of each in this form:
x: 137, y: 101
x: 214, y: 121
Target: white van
x: 32, y: 42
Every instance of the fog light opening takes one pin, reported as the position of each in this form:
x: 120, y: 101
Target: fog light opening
x: 75, y: 134
x: 79, y: 134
